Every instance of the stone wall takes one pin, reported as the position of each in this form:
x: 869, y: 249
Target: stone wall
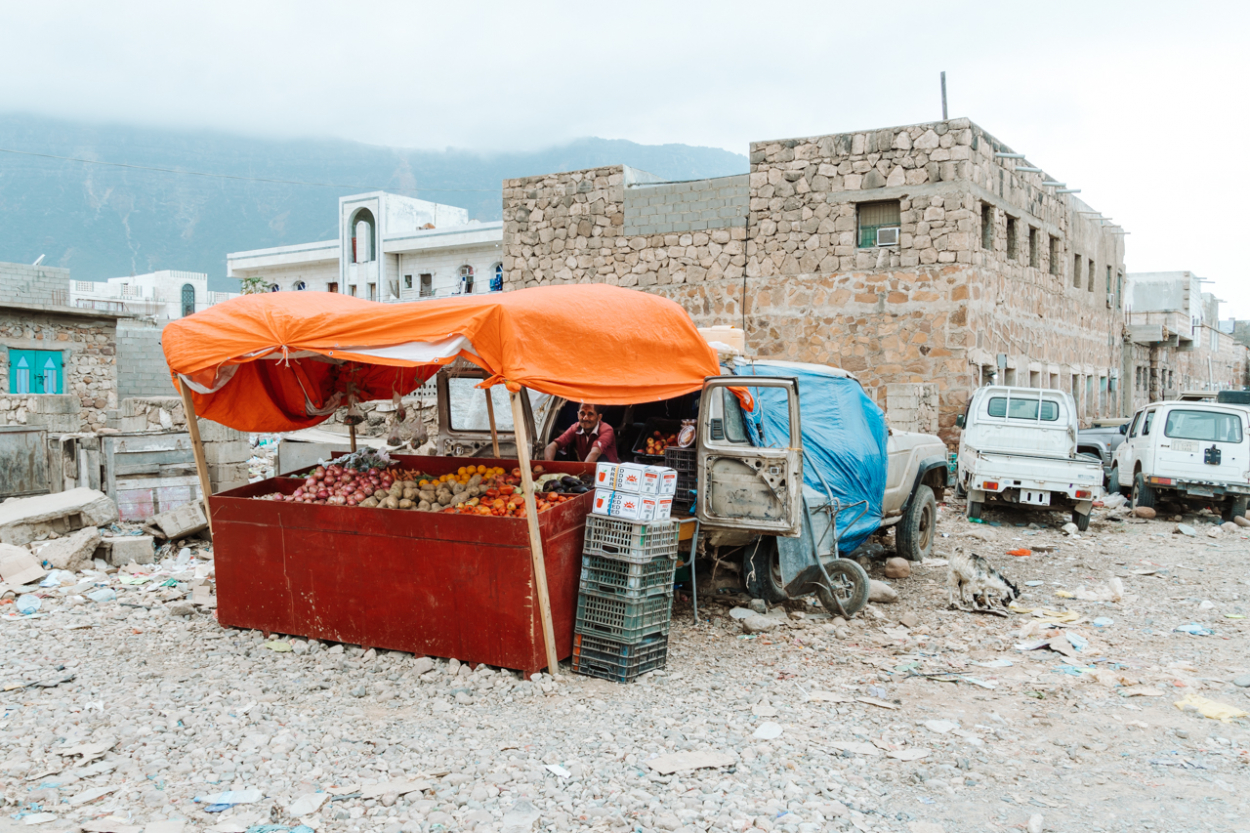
x: 994, y: 276
x: 88, y: 348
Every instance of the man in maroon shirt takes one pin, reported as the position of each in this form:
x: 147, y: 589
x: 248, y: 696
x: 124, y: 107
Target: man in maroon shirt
x: 591, y: 437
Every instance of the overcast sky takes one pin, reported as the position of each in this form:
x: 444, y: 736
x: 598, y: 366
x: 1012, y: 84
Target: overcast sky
x: 1141, y: 105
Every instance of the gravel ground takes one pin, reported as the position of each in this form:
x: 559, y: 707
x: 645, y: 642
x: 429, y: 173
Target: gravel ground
x: 163, y: 708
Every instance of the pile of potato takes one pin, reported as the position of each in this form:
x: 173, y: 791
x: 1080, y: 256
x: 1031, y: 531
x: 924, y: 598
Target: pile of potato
x: 426, y: 496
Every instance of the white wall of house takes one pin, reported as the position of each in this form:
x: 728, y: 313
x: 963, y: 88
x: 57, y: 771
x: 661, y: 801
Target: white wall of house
x: 158, y: 294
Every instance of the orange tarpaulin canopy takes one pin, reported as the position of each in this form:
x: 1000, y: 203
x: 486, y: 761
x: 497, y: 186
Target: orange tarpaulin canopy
x: 285, y: 361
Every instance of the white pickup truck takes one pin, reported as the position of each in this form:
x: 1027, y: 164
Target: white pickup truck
x: 1018, y: 447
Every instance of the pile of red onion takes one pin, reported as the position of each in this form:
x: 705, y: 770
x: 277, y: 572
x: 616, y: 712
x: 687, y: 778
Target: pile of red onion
x: 334, y: 485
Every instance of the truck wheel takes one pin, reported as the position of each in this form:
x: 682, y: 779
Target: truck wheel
x: 761, y: 571
x: 850, y: 587
x: 1081, y: 521
x: 1234, y: 507
x: 1143, y: 495
x: 974, y: 510
x: 1113, y: 480
x: 915, y: 532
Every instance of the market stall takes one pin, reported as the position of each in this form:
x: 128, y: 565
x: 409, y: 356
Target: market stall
x: 484, y: 588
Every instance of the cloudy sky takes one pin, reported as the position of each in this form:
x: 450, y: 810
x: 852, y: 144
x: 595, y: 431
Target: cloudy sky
x: 1142, y: 105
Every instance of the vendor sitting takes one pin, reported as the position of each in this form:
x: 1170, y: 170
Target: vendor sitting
x: 592, y: 438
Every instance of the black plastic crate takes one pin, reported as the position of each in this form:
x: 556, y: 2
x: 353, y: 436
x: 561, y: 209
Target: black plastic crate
x: 617, y: 661
x: 664, y: 426
x: 626, y: 579
x: 635, y: 542
x: 623, y: 620
x: 682, y: 459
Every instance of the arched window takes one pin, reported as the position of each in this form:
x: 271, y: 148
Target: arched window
x: 363, y: 230
x: 496, y: 281
x: 466, y: 280
x: 300, y: 286
x: 188, y: 299
x: 273, y: 287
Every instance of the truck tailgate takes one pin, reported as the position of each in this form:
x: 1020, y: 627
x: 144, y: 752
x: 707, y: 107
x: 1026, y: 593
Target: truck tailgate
x: 1039, y: 470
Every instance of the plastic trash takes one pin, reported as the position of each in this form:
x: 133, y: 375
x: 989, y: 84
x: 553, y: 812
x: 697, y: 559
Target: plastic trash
x: 104, y: 594
x: 184, y: 557
x: 1103, y: 622
x: 1193, y: 629
x: 56, y: 578
x: 768, y: 731
x: 1077, y: 641
x: 1209, y: 708
x: 219, y: 802
x: 28, y: 603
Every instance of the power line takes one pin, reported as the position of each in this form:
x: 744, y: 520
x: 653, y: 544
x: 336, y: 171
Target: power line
x: 236, y: 177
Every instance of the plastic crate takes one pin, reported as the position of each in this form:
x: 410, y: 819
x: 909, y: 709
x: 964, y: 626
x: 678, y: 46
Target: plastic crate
x: 635, y: 542
x: 632, y: 621
x: 616, y: 661
x: 664, y: 426
x: 613, y: 577
x: 685, y: 462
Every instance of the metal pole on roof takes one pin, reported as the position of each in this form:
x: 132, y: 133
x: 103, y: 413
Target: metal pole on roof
x: 944, y: 116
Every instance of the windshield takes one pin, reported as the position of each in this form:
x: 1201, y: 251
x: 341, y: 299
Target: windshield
x: 1023, y: 408
x: 1207, y: 426
x: 466, y: 405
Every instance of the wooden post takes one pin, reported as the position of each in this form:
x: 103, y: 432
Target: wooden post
x: 536, y: 541
x: 490, y: 413
x: 197, y: 447
x: 351, y: 430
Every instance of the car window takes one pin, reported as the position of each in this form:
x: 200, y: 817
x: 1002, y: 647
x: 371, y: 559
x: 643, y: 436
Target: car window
x: 1207, y: 426
x: 1145, y: 430
x: 1022, y: 409
x: 735, y: 424
x: 1132, y: 431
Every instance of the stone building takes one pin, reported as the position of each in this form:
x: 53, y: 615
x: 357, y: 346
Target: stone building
x: 390, y: 248
x: 1173, y: 339
x: 929, y: 258
x: 58, y: 367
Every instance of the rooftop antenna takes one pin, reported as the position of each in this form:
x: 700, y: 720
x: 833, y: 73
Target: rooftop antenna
x: 38, y: 260
x: 944, y: 95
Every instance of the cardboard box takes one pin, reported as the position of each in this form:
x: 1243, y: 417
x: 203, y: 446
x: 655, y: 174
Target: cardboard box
x: 629, y: 477
x: 627, y: 505
x: 605, y: 476
x: 663, y: 507
x: 659, y: 480
x: 603, y: 501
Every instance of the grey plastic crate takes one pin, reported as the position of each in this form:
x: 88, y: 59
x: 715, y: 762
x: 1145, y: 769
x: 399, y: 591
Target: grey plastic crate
x: 613, y: 617
x: 619, y: 662
x: 635, y: 542
x: 626, y: 579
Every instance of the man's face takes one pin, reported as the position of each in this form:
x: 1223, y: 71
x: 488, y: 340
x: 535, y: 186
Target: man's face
x: 587, y: 418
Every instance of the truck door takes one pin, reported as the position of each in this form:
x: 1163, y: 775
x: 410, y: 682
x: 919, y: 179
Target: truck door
x: 745, y: 484
x: 464, y: 421
x: 1202, y: 443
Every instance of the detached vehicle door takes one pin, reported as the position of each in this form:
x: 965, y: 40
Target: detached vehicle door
x: 464, y: 421
x: 750, y: 477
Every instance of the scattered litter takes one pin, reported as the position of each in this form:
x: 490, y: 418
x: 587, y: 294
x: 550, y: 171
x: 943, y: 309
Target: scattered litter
x: 1209, y: 708
x: 39, y: 818
x: 1193, y: 629
x: 1034, y: 583
x: 941, y: 726
x: 912, y: 754
x: 1103, y: 622
x: 768, y: 731
x: 874, y: 701
x: 855, y: 747
x: 1020, y: 553
x: 104, y: 594
x: 994, y: 663
x: 1140, y: 691
x: 219, y: 802
x: 1046, y: 614
x: 28, y: 603
x: 559, y: 771
x: 307, y: 804
x: 279, y: 646
x: 685, y: 761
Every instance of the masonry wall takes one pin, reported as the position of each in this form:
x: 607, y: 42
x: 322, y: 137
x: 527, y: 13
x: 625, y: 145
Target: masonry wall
x: 962, y: 299
x: 88, y: 348
x: 141, y: 367
x: 33, y: 284
x: 701, y: 205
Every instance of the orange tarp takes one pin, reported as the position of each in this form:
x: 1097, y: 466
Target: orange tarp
x: 284, y: 361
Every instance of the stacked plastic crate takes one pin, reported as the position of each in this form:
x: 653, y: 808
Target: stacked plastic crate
x: 684, y: 461
x: 625, y: 602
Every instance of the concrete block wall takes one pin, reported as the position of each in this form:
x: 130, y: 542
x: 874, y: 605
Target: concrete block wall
x: 34, y: 284
x: 698, y: 205
x: 141, y: 368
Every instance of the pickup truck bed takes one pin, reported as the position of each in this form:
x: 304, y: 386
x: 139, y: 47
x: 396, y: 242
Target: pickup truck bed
x: 1035, y: 480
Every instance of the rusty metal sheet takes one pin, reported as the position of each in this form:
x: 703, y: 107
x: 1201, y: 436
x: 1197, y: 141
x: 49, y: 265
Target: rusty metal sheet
x: 23, y: 461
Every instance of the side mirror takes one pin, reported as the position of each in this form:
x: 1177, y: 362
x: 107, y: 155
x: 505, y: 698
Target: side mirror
x: 1124, y: 429
x: 959, y: 421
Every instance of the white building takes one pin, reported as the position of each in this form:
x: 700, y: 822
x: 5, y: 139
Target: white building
x: 390, y: 248
x: 165, y: 294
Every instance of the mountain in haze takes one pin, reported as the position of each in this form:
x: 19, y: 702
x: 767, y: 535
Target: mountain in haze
x: 104, y: 222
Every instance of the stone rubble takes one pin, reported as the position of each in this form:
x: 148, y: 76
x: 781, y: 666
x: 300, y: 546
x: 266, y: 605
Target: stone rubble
x: 927, y: 720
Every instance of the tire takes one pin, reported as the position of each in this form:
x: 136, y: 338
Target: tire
x: 1113, y: 481
x: 1081, y: 521
x: 915, y: 532
x: 761, y: 571
x: 1143, y: 495
x: 850, y: 584
x: 1234, y: 507
x: 974, y: 510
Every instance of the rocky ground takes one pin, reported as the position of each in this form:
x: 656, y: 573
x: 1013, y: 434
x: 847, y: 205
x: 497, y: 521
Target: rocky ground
x: 867, y: 725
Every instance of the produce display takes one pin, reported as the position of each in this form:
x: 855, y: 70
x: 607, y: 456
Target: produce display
x: 658, y: 441
x: 470, y: 490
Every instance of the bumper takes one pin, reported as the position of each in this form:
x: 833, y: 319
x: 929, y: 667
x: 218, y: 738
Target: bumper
x: 1200, y: 488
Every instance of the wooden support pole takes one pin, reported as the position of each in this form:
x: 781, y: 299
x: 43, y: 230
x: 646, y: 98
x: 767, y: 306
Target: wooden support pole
x: 351, y: 430
x: 536, y: 541
x: 490, y: 413
x: 197, y: 447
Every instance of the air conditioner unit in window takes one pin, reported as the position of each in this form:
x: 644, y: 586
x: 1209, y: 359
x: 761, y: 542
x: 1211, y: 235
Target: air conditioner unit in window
x: 887, y: 237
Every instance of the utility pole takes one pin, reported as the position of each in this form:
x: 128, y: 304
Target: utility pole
x: 944, y: 116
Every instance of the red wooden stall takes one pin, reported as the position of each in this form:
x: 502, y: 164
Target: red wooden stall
x: 429, y: 583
